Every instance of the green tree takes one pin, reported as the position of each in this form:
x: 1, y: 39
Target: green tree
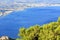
x: 50, y: 31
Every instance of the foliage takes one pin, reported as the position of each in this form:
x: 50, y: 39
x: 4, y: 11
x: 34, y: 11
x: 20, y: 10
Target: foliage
x: 50, y: 31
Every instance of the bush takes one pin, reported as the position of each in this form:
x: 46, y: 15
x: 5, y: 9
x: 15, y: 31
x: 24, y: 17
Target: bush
x: 50, y: 31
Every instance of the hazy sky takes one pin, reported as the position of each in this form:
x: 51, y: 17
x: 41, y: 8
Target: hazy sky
x: 36, y: 1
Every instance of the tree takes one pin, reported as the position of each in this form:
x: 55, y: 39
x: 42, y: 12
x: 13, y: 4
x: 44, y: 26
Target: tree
x: 50, y: 31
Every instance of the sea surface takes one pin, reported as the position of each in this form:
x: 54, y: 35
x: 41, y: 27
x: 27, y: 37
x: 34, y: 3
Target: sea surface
x: 11, y: 23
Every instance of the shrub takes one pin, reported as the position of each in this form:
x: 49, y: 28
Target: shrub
x: 50, y: 31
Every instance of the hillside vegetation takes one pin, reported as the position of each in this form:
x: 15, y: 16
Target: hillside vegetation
x: 50, y: 31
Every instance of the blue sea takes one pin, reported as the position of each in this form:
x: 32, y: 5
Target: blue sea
x: 11, y: 23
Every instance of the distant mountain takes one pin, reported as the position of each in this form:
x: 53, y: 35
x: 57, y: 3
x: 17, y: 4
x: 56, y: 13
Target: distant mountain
x: 6, y: 9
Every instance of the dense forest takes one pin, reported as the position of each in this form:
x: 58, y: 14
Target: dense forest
x: 50, y: 31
